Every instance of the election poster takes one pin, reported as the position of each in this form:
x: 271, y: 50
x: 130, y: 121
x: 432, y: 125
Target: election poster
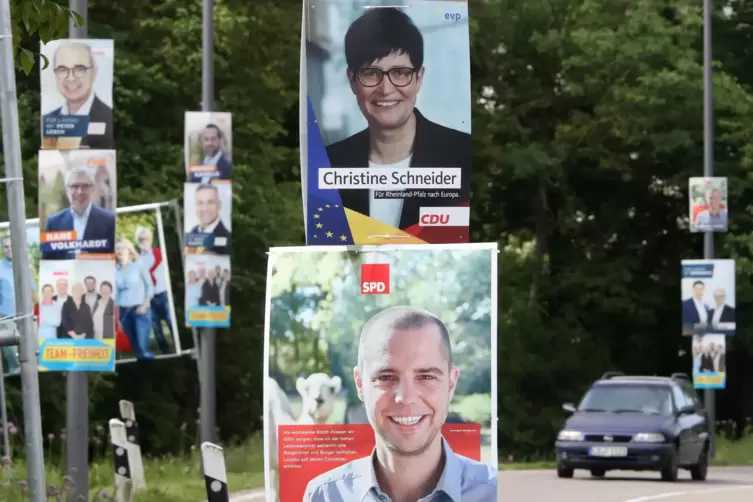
x: 142, y: 232
x: 208, y: 147
x: 708, y: 204
x: 76, y: 94
x: 709, y: 361
x: 77, y: 301
x: 388, y: 127
x: 708, y: 297
x: 208, y: 285
x: 77, y: 201
x: 378, y: 351
x: 207, y: 220
x: 8, y: 310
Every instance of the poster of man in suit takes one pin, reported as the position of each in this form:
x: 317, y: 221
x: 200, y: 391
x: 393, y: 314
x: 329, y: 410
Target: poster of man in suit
x: 709, y: 204
x: 77, y: 201
x: 76, y: 94
x: 709, y: 361
x: 208, y: 281
x: 207, y: 221
x: 388, y: 122
x: 708, y: 297
x: 208, y: 146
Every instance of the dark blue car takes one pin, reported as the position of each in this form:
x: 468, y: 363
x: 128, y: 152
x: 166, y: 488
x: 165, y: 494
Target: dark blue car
x: 636, y: 423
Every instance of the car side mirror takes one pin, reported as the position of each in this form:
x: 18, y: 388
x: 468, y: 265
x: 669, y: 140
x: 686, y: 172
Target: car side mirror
x: 569, y: 407
x: 686, y: 410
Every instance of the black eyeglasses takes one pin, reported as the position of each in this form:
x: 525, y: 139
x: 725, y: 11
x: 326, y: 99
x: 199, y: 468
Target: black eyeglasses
x: 78, y: 71
x: 399, y: 76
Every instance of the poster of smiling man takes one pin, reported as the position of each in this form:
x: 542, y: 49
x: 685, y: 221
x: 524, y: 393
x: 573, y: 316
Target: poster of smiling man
x: 709, y: 204
x: 388, y: 122
x: 708, y: 297
x: 76, y: 94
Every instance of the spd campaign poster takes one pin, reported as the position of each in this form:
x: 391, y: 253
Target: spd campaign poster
x: 391, y: 345
x: 708, y: 297
x: 709, y: 361
x: 77, y: 203
x: 208, y: 147
x: 388, y: 122
x: 77, y: 301
x: 76, y: 94
x: 708, y: 204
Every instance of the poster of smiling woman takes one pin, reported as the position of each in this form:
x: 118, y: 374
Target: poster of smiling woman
x: 388, y: 122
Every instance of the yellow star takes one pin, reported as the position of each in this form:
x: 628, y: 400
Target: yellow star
x: 320, y: 209
x: 319, y: 225
x: 316, y: 216
x: 329, y: 234
x: 343, y: 238
x: 327, y: 205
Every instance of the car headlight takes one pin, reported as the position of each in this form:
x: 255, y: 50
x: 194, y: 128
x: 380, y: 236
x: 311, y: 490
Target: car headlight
x: 570, y: 436
x: 649, y: 437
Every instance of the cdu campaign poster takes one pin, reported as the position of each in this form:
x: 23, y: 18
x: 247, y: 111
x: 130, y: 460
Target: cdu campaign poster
x: 76, y: 94
x: 77, y: 201
x: 208, y: 147
x: 388, y: 122
x: 709, y: 361
x: 708, y: 297
x: 709, y: 204
x: 352, y: 336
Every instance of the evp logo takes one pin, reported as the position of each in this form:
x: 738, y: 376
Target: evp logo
x: 450, y: 16
x: 375, y: 279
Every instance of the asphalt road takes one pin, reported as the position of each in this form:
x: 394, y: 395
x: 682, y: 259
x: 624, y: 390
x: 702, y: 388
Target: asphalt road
x: 732, y: 484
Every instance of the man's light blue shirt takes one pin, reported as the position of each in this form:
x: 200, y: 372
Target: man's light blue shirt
x: 463, y: 480
x: 79, y: 222
x: 193, y: 294
x: 132, y: 285
x: 147, y: 261
x: 8, y: 289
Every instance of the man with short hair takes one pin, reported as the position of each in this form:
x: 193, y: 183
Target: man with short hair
x: 211, y: 232
x: 695, y: 312
x: 213, y: 156
x: 89, y: 221
x: 721, y: 313
x: 714, y: 217
x: 153, y: 262
x: 406, y: 378
x: 91, y: 296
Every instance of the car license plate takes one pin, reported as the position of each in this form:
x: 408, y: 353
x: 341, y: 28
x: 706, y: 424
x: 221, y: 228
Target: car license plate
x: 609, y: 451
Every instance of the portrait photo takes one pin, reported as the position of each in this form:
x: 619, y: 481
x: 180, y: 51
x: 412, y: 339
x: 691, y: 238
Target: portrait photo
x: 390, y: 93
x: 208, y: 146
x: 392, y: 346
x: 138, y: 231
x: 77, y: 300
x: 708, y: 204
x: 709, y: 361
x: 708, y: 297
x: 208, y: 281
x: 77, y: 202
x: 8, y: 309
x: 76, y: 94
x: 208, y: 218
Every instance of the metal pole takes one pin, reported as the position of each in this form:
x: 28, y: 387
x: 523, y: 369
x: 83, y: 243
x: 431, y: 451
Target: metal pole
x: 77, y: 384
x: 708, y: 171
x: 29, y: 341
x: 4, y: 412
x: 208, y: 347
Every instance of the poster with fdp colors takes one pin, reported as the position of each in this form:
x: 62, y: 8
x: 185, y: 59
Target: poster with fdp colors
x: 77, y: 201
x: 76, y: 94
x: 77, y: 300
x: 708, y: 297
x: 207, y: 291
x: 208, y: 147
x: 709, y: 204
x: 377, y: 351
x: 388, y: 122
x: 709, y: 361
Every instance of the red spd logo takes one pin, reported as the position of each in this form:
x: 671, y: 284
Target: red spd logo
x: 375, y: 279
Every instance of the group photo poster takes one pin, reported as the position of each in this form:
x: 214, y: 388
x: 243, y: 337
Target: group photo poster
x: 207, y: 291
x: 388, y: 125
x: 8, y: 310
x: 708, y: 204
x: 708, y: 297
x: 76, y: 186
x: 77, y: 94
x: 141, y: 242
x: 77, y: 322
x: 391, y: 345
x: 208, y: 147
x: 709, y: 361
x: 207, y: 220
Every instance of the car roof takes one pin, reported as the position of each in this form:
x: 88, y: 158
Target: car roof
x: 617, y: 377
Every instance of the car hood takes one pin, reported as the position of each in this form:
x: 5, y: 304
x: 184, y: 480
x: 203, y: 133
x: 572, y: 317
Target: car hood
x: 615, y: 422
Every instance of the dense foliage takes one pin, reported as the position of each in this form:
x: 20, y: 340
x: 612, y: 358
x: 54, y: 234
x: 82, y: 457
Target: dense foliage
x: 587, y: 123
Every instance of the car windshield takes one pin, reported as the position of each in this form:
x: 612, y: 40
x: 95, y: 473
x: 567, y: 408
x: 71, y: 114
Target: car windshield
x: 628, y: 398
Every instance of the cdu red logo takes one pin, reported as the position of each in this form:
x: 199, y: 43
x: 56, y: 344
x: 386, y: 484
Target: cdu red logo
x: 375, y: 279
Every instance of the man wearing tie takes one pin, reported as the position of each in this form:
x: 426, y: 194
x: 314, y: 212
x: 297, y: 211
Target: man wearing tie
x: 695, y: 313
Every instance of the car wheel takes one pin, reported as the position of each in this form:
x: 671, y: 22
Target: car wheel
x: 598, y: 473
x: 699, y: 471
x: 669, y: 473
x: 564, y: 472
